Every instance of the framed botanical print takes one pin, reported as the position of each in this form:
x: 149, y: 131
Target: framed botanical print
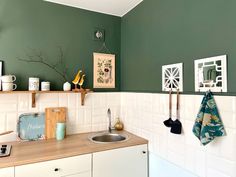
x: 103, y: 70
x: 1, y: 67
x: 1, y: 73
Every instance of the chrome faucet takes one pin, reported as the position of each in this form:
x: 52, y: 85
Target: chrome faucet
x: 109, y: 117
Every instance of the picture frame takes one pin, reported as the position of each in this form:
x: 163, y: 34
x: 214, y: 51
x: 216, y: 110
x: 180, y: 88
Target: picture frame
x: 172, y: 77
x: 103, y: 70
x: 1, y: 73
x: 1, y: 68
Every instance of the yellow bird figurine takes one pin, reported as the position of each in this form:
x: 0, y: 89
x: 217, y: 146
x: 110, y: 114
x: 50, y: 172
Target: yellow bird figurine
x: 77, y: 77
x: 81, y: 82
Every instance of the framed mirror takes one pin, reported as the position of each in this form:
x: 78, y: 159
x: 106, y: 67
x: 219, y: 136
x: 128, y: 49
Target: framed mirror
x: 211, y: 74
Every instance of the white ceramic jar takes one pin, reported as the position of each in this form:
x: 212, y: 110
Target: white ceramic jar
x: 45, y: 86
x: 33, y: 84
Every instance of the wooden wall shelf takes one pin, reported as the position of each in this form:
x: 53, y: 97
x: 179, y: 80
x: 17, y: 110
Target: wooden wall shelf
x: 83, y: 93
x: 23, y: 91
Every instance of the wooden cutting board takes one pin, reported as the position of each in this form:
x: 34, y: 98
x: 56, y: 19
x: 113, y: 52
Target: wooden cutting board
x: 52, y: 116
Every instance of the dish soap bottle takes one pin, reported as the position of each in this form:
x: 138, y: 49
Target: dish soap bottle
x: 119, y: 125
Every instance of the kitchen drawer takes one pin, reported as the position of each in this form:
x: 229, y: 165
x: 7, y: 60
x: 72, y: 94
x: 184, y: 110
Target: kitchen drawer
x: 56, y: 168
x: 7, y: 172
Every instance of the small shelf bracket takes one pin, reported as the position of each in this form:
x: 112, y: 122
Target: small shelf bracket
x: 83, y: 94
x: 33, y: 99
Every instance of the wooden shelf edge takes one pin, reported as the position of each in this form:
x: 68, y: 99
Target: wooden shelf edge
x: 33, y: 93
x: 11, y: 92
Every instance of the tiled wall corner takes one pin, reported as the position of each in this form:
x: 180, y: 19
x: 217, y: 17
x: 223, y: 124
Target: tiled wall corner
x: 144, y: 113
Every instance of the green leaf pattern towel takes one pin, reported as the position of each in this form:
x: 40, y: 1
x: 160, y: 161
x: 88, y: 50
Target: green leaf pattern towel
x: 208, y: 124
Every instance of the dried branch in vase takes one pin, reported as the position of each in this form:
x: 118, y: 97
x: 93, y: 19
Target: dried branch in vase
x: 38, y: 57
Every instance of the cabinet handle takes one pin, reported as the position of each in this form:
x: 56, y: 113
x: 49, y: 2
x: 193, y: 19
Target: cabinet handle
x: 144, y: 152
x: 56, y: 169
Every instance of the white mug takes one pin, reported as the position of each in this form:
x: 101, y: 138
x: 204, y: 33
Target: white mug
x: 45, y: 86
x: 8, y: 78
x: 8, y: 86
x: 33, y: 84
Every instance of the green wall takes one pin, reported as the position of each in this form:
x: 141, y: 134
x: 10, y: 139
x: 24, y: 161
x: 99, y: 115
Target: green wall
x: 155, y: 33
x: 160, y: 32
x: 27, y: 25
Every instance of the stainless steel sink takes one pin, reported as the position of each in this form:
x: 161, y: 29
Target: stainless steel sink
x: 108, y: 137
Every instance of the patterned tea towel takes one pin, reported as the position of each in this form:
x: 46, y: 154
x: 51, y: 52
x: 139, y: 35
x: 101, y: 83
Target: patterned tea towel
x: 208, y: 123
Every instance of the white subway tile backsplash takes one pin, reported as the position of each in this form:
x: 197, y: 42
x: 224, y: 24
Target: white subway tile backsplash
x: 222, y: 165
x: 160, y: 144
x: 11, y: 121
x: 72, y: 116
x: 190, y: 138
x: 99, y: 119
x: 99, y: 100
x: 143, y: 114
x: 88, y: 98
x: 8, y: 106
x: 44, y: 105
x: 100, y: 111
x: 47, y: 100
x: 47, y: 97
x: 200, y: 162
x: 225, y: 103
x: 3, y: 122
x: 8, y: 98
x: 190, y: 159
x: 113, y: 99
x: 175, y: 144
x: 63, y: 100
x: 228, y: 118
x: 164, y: 106
x: 23, y: 102
x: 175, y: 158
x: 186, y: 151
x: 73, y: 100
x: 72, y: 128
x: 228, y: 145
x: 87, y: 116
x: 211, y: 172
x: 99, y: 127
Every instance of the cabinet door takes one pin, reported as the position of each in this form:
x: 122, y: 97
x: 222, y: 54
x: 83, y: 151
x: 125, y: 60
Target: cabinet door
x: 123, y: 162
x: 56, y: 168
x: 87, y: 174
x: 7, y: 172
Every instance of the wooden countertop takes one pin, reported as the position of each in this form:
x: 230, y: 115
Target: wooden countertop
x: 37, y: 151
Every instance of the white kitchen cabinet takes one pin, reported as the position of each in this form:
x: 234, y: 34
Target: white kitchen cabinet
x: 122, y: 162
x: 7, y: 172
x: 78, y: 166
x: 86, y: 174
